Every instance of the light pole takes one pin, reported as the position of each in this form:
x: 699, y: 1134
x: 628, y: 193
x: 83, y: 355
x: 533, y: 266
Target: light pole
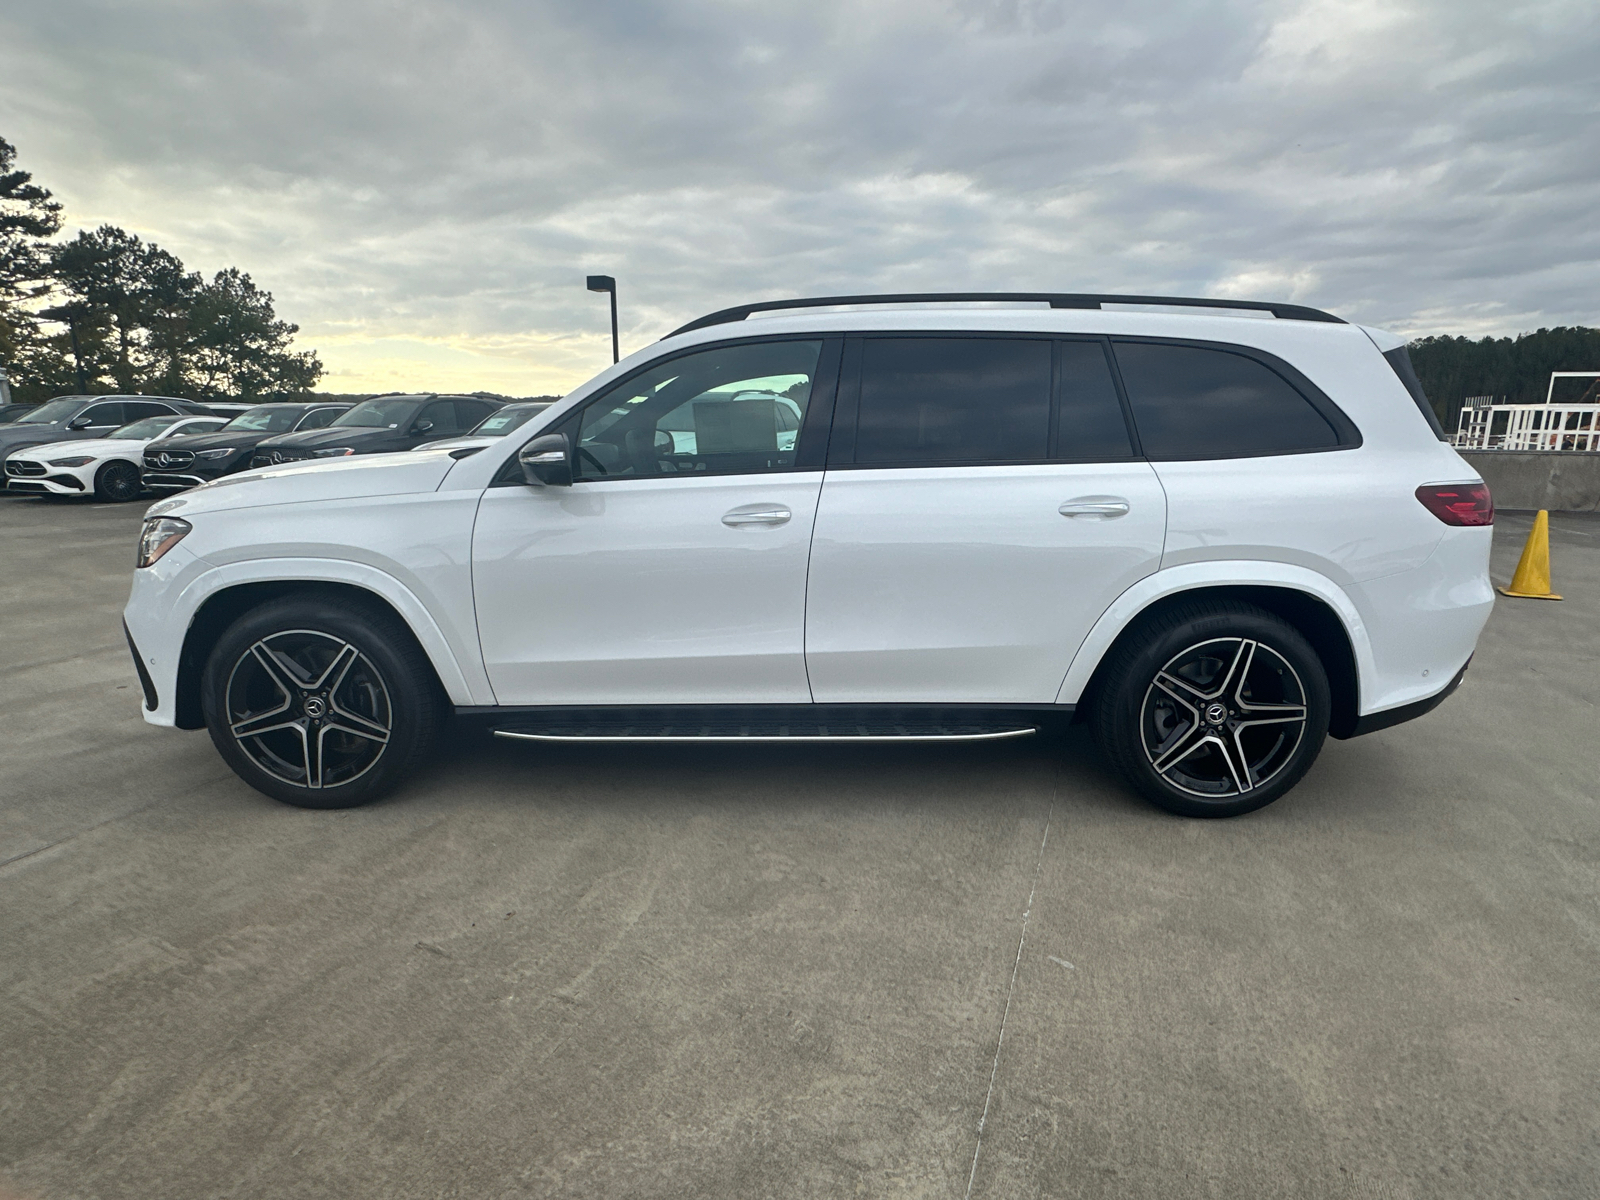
x: 604, y: 283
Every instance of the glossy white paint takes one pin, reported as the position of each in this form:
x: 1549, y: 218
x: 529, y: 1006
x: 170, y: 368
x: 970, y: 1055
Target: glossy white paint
x: 646, y: 591
x: 968, y: 584
x: 943, y: 585
x: 99, y: 452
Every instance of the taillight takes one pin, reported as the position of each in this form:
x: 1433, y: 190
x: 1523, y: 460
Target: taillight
x: 1458, y: 503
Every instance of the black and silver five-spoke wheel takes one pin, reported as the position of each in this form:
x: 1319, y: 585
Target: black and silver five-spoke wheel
x: 1213, y: 709
x: 319, y: 704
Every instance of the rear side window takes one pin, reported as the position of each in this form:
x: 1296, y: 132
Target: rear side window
x: 1090, y: 426
x: 1400, y: 359
x: 953, y: 400
x: 1193, y: 402
x: 138, y: 410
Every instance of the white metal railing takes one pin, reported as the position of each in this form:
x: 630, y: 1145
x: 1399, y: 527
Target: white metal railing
x: 1485, y: 425
x: 1529, y: 427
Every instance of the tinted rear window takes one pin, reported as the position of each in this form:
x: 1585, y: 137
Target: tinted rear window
x: 1400, y: 360
x: 953, y: 400
x: 1193, y: 402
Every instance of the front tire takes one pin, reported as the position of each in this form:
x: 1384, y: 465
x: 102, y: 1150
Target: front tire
x: 117, y: 483
x: 320, y: 704
x: 1212, y: 709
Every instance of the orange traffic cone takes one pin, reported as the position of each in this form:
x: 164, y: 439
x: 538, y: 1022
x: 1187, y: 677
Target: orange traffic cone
x: 1532, y: 580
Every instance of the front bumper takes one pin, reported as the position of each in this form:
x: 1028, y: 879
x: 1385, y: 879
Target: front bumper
x: 170, y: 481
x: 45, y: 482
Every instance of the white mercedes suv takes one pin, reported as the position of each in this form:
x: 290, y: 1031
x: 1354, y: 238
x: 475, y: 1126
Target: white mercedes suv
x: 1217, y: 531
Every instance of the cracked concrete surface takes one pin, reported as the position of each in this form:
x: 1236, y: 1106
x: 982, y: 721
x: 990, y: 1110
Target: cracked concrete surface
x: 731, y: 971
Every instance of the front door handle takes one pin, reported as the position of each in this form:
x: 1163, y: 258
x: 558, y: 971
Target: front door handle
x: 756, y: 514
x: 1104, y: 508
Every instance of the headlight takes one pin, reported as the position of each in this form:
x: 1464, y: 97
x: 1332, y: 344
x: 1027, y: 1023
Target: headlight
x: 81, y: 460
x: 213, y: 454
x: 160, y: 535
x: 332, y: 452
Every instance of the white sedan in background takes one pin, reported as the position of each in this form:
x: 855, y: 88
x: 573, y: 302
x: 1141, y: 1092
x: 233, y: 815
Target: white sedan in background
x: 107, y: 468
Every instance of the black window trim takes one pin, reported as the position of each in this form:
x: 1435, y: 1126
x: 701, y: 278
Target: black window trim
x: 1345, y: 431
x: 841, y: 451
x: 811, y: 446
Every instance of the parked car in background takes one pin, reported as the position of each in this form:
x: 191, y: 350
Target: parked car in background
x: 380, y: 426
x: 77, y: 418
x: 229, y: 408
x: 1216, y: 539
x: 230, y: 449
x: 10, y: 412
x: 496, y: 425
x: 106, y: 468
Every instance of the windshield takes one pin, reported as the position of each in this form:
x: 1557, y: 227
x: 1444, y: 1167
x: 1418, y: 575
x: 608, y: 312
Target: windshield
x: 147, y: 428
x: 269, y: 418
x: 498, y: 424
x: 389, y: 412
x: 48, y: 414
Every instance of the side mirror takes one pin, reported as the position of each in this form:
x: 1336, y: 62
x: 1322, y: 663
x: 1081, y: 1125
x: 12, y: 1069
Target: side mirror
x: 78, y: 423
x: 546, y: 461
x: 422, y: 427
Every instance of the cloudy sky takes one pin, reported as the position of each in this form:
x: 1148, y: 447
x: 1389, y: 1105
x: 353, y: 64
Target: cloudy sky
x: 423, y: 184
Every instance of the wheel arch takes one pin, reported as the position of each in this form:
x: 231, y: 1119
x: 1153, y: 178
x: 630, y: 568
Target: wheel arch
x: 1342, y: 652
x: 226, y: 605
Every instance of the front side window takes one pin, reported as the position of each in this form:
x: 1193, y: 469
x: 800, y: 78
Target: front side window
x: 318, y: 418
x: 731, y: 410
x: 504, y: 420
x: 102, y: 415
x: 1193, y: 402
x: 442, y: 415
x: 937, y: 400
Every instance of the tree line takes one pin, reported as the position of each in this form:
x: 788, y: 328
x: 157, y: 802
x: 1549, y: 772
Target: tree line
x: 1512, y: 370
x: 108, y: 312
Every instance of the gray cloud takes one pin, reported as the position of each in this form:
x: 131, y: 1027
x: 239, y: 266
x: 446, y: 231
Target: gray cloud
x: 443, y: 170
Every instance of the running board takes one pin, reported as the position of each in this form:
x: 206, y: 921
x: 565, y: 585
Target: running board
x: 790, y: 731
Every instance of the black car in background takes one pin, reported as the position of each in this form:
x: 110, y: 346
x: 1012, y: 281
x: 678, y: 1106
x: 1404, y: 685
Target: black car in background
x: 73, y: 418
x: 10, y: 412
x: 379, y: 426
x: 213, y: 455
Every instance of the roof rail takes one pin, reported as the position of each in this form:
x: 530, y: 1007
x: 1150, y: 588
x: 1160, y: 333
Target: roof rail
x: 1284, y: 312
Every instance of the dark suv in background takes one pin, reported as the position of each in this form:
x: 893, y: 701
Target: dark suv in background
x: 379, y: 426
x: 213, y: 455
x: 73, y: 418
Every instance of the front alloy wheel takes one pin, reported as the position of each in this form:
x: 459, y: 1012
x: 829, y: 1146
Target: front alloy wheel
x: 309, y: 708
x: 321, y: 701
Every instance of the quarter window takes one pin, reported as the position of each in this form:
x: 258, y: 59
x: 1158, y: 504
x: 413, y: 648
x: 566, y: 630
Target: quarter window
x: 1192, y: 402
x: 953, y: 400
x: 732, y: 410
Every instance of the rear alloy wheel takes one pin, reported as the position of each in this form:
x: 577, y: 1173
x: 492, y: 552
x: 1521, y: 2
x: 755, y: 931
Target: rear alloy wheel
x: 320, y: 706
x: 1214, y: 710
x: 117, y: 483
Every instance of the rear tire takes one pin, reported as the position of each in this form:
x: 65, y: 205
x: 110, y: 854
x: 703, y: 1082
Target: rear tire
x: 117, y: 483
x: 321, y: 704
x: 1212, y: 709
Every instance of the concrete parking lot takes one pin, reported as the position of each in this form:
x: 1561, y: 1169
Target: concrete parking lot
x: 693, y: 972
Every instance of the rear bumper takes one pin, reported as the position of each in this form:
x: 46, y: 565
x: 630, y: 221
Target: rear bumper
x: 1391, y: 717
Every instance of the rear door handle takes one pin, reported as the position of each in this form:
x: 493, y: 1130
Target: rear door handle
x: 1104, y: 508
x: 756, y: 514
